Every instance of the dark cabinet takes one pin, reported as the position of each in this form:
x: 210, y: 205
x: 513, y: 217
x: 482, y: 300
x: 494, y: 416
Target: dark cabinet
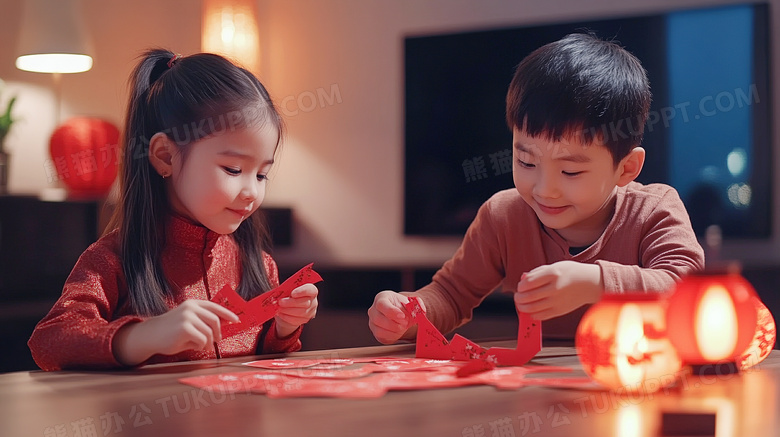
x: 40, y: 242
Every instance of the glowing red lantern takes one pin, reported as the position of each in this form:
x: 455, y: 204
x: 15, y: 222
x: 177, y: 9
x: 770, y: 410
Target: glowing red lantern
x: 763, y: 339
x: 622, y: 343
x: 84, y: 152
x: 712, y: 317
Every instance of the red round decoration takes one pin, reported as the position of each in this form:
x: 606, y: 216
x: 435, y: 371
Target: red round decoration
x: 712, y: 317
x: 85, y: 153
x: 622, y: 343
x: 763, y: 339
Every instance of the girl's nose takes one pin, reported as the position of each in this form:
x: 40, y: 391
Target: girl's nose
x: 249, y: 191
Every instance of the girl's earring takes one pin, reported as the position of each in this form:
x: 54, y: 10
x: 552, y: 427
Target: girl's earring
x: 164, y: 175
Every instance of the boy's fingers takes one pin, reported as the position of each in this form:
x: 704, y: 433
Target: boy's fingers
x: 380, y: 319
x: 533, y: 307
x: 389, y: 325
x: 528, y: 296
x: 530, y: 282
x: 385, y: 335
x: 391, y: 311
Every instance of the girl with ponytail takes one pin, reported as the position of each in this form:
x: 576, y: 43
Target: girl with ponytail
x: 200, y: 137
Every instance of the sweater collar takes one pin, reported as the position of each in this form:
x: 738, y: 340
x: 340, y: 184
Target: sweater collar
x: 182, y: 232
x: 615, y: 221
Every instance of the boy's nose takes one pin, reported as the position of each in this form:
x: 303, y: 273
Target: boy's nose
x: 546, y: 187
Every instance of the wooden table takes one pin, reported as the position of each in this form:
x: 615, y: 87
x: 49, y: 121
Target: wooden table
x: 150, y: 402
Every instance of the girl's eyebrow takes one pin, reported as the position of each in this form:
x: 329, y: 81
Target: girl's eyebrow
x: 236, y: 154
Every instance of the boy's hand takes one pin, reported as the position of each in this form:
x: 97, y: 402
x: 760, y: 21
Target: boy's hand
x: 387, y: 317
x: 193, y: 325
x: 296, y: 310
x: 559, y: 288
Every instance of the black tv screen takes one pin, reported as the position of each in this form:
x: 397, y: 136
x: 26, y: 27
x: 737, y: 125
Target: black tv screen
x: 708, y: 134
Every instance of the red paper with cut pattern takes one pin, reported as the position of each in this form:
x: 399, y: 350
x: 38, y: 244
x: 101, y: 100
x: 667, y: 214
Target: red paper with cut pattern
x: 432, y: 344
x: 264, y: 307
x: 299, y: 378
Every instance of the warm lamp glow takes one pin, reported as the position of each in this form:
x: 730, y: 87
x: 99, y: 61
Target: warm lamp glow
x: 630, y: 342
x: 230, y: 29
x: 622, y: 343
x: 716, y: 324
x: 629, y: 421
x: 712, y: 317
x: 54, y: 63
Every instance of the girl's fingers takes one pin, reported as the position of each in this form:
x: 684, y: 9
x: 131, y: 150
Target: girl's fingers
x: 198, y: 335
x: 305, y: 290
x: 289, y: 302
x: 220, y: 311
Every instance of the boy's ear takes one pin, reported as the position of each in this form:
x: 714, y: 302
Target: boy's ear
x: 630, y: 167
x: 161, y: 154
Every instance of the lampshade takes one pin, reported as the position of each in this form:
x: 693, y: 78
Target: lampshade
x: 712, y: 317
x: 230, y: 29
x: 53, y: 38
x: 763, y: 339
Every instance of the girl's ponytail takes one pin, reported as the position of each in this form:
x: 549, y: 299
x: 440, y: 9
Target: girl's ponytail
x: 143, y: 203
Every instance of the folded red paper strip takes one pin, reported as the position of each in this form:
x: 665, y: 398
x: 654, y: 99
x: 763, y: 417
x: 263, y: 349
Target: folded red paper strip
x: 264, y: 307
x: 432, y: 344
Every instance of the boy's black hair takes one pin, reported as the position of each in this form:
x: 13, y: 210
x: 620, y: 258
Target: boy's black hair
x: 584, y: 87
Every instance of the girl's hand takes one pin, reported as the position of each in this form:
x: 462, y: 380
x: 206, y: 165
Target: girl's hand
x: 387, y: 317
x: 559, y: 288
x: 193, y: 325
x: 296, y: 310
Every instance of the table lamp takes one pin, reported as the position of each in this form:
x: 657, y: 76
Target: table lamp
x: 53, y: 38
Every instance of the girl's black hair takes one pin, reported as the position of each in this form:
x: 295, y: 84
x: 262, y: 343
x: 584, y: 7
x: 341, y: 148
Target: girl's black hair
x: 581, y: 86
x: 188, y: 99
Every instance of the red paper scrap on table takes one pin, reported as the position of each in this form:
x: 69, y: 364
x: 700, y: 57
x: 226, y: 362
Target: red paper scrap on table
x: 264, y: 307
x: 432, y: 344
x: 372, y: 365
x: 371, y: 379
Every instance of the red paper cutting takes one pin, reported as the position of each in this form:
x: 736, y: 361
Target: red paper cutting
x: 264, y: 307
x: 376, y: 364
x: 370, y: 381
x: 432, y: 344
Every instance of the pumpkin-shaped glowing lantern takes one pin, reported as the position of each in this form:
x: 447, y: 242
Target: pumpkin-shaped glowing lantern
x: 712, y: 317
x: 84, y: 152
x: 622, y: 343
x: 763, y: 339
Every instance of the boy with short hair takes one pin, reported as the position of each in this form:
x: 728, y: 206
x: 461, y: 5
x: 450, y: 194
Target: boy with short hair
x: 576, y: 225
